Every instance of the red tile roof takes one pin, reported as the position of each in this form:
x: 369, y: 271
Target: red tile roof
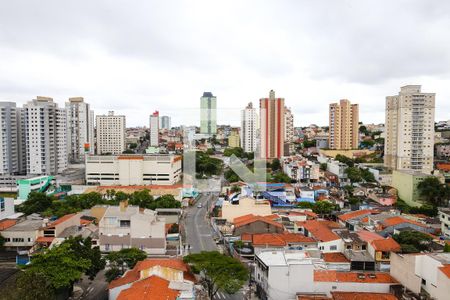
x: 256, y: 219
x: 388, y: 244
x: 443, y: 167
x: 446, y: 270
x: 275, y: 239
x: 319, y: 230
x: 243, y: 218
x: 368, y: 236
x: 335, y: 258
x: 60, y: 220
x: 355, y: 214
x: 134, y: 274
x: 335, y: 276
x: 400, y: 220
x: 151, y: 288
x: 45, y: 239
x: 362, y: 296
x: 5, y: 224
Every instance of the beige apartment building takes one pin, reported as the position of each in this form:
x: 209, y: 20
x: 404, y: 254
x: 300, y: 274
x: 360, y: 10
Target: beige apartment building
x: 110, y: 134
x: 272, y: 126
x: 410, y: 130
x: 344, y: 128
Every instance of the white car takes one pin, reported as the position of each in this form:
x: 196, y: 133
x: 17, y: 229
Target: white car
x: 199, y: 205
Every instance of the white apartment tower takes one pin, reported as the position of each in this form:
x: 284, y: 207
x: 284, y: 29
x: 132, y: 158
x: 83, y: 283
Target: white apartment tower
x: 410, y: 130
x: 46, y: 140
x: 10, y: 139
x: 249, y: 127
x: 154, y: 129
x: 80, y: 129
x: 288, y: 131
x: 110, y: 134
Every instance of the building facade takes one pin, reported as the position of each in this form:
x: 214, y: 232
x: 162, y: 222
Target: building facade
x: 12, y: 160
x: 80, y: 129
x: 272, y: 126
x: 126, y: 226
x: 110, y: 134
x: 133, y: 169
x: 249, y: 127
x: 154, y: 129
x: 46, y: 137
x: 234, y: 139
x: 344, y: 128
x: 288, y: 132
x: 208, y: 114
x: 165, y: 122
x: 410, y: 130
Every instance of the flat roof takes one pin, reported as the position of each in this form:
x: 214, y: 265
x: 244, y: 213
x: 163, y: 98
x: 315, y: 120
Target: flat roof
x: 26, y: 225
x: 283, y: 258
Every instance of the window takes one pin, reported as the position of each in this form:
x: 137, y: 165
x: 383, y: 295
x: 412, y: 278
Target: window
x: 334, y: 247
x: 2, y: 204
x: 125, y: 223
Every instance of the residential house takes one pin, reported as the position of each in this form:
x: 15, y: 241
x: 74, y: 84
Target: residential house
x: 381, y: 249
x: 246, y: 206
x: 126, y: 226
x: 23, y: 234
x: 278, y: 241
x: 444, y: 217
x: 427, y: 273
x: 6, y: 207
x: 387, y: 226
x: 283, y: 274
x: 252, y: 224
x: 323, y: 232
x: 352, y: 219
x: 155, y: 279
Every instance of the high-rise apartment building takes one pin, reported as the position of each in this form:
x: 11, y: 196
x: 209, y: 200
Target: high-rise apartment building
x: 272, y: 126
x: 164, y: 122
x: 10, y: 139
x: 344, y: 125
x: 288, y: 131
x: 110, y: 133
x: 154, y: 129
x: 249, y: 127
x: 80, y: 129
x: 46, y: 137
x: 410, y: 130
x: 208, y: 114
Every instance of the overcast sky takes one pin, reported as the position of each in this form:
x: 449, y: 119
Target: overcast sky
x: 135, y: 57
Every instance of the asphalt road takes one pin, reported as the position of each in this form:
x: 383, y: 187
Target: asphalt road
x: 200, y: 236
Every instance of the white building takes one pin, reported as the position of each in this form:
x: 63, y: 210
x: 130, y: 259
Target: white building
x: 46, y: 137
x: 280, y: 275
x: 6, y: 207
x: 427, y: 272
x: 126, y: 226
x: 288, y: 131
x: 110, y: 134
x: 249, y: 127
x: 410, y: 130
x: 299, y: 168
x: 12, y: 160
x: 80, y: 129
x: 23, y: 235
x: 165, y: 122
x: 444, y: 217
x: 154, y: 129
x: 133, y: 169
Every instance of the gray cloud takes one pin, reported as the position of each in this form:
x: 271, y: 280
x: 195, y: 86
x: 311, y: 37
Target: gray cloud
x: 139, y: 56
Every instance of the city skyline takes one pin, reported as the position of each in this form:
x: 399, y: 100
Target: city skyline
x: 310, y: 57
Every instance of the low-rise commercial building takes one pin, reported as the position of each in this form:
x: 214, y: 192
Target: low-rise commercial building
x: 133, y: 170
x: 245, y: 206
x: 406, y: 182
x: 444, y: 217
x: 23, y: 235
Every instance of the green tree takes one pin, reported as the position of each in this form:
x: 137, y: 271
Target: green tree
x: 83, y: 249
x: 367, y: 175
x: 2, y: 242
x: 323, y: 208
x: 433, y: 191
x: 60, y: 265
x: 36, y: 203
x: 113, y: 273
x: 238, y: 151
x: 142, y: 198
x: 409, y: 240
x: 305, y: 204
x: 165, y: 201
x: 129, y: 256
x: 231, y: 176
x: 280, y: 177
x: 353, y: 174
x: 344, y: 159
x: 33, y: 285
x: 121, y: 196
x: 447, y: 248
x: 323, y: 166
x: 275, y: 165
x: 218, y: 271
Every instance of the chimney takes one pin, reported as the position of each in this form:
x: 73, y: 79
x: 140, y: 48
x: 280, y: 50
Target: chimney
x: 123, y: 205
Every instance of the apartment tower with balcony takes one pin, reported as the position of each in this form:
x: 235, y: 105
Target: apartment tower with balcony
x: 344, y: 125
x: 272, y: 126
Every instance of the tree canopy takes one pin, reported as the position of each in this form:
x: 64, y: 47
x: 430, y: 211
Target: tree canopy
x: 206, y: 165
x: 35, y: 203
x: 121, y: 260
x: 413, y: 241
x: 434, y: 192
x: 218, y: 271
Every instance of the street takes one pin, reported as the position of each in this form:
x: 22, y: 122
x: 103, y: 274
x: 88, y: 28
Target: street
x: 200, y: 236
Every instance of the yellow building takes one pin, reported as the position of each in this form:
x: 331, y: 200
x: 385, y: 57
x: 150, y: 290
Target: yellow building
x: 406, y: 183
x: 246, y: 206
x: 234, y: 139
